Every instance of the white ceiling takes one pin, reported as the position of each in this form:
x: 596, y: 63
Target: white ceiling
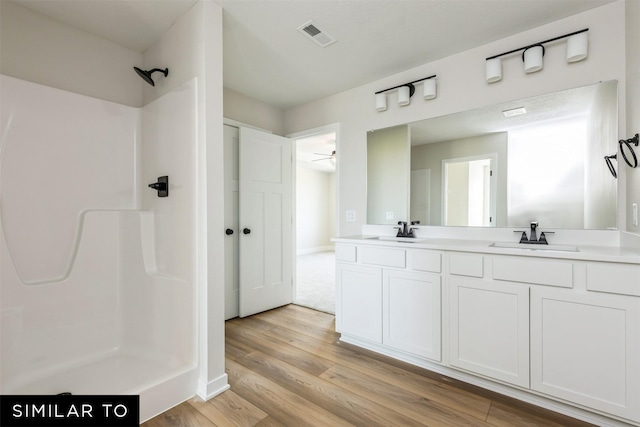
x: 266, y: 58
x: 135, y: 24
x: 313, y: 151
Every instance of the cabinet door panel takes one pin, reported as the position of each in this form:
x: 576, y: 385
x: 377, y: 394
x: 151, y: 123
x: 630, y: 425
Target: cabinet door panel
x: 359, y: 301
x: 586, y: 349
x: 411, y: 312
x: 489, y: 329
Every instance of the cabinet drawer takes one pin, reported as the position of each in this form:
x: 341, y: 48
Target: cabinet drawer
x: 425, y: 261
x: 346, y: 253
x: 539, y: 272
x: 614, y: 278
x: 386, y: 257
x: 466, y: 265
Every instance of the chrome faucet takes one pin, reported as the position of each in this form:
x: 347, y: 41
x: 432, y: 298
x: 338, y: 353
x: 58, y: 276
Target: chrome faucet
x: 533, y: 238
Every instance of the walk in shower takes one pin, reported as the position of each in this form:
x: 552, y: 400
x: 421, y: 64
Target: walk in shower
x: 97, y: 273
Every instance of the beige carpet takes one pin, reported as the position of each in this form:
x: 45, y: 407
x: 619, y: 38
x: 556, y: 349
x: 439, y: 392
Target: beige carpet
x: 315, y: 281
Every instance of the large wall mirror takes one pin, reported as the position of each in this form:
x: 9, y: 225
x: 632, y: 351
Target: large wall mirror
x: 536, y: 159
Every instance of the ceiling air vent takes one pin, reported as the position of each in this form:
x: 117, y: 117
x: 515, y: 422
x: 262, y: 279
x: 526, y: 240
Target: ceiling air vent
x: 311, y: 30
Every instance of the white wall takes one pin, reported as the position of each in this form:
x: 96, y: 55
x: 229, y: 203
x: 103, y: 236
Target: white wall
x: 192, y: 47
x: 633, y: 107
x: 315, y: 208
x: 39, y: 49
x: 462, y: 86
x: 252, y: 112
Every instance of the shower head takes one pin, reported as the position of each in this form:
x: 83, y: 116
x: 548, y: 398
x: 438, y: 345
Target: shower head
x: 146, y: 75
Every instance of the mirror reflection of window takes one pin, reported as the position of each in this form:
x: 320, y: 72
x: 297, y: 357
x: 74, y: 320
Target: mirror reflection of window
x: 547, y: 170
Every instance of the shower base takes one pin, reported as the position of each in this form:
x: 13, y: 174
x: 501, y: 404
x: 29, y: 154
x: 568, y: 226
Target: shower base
x: 160, y: 384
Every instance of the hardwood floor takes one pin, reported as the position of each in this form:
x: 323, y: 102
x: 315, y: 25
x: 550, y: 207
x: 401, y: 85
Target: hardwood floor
x: 286, y: 367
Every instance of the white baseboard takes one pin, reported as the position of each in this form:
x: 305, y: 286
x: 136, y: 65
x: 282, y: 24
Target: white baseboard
x: 213, y: 388
x: 316, y: 249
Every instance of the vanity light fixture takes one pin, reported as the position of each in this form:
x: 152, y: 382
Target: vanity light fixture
x: 532, y: 55
x: 429, y: 89
x: 406, y: 91
x: 381, y: 101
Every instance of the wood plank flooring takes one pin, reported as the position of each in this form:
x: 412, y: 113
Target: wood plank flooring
x: 286, y: 367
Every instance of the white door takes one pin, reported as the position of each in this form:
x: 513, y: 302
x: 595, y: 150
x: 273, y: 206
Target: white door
x: 265, y: 221
x: 231, y: 186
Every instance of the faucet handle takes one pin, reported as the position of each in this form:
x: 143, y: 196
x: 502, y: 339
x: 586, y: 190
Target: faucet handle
x: 543, y: 238
x: 523, y: 237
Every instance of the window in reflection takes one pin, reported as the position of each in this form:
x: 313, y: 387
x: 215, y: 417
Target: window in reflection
x: 547, y: 170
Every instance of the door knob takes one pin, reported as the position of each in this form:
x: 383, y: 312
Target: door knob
x: 228, y: 232
x: 161, y: 186
x: 246, y: 231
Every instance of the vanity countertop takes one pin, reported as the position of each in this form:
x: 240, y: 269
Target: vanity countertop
x: 584, y: 253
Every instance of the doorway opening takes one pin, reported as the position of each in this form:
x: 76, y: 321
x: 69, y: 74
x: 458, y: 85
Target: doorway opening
x: 469, y: 188
x: 315, y: 220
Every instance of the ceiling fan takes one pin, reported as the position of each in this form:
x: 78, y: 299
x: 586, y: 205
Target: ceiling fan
x: 331, y: 156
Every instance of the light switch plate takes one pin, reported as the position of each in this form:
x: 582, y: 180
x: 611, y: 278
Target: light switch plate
x: 350, y: 216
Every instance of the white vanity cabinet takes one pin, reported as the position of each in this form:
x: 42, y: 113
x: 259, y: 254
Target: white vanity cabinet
x: 390, y: 297
x: 586, y: 344
x: 489, y: 328
x: 555, y: 329
x: 359, y: 301
x: 488, y: 320
x: 411, y: 312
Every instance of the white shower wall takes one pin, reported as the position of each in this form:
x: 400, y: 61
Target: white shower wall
x: 97, y: 274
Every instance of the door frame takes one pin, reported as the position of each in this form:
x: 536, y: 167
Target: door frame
x: 331, y: 128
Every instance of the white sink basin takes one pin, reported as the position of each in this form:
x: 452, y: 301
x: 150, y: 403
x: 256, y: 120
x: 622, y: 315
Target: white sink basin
x: 399, y: 239
x: 534, y: 247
